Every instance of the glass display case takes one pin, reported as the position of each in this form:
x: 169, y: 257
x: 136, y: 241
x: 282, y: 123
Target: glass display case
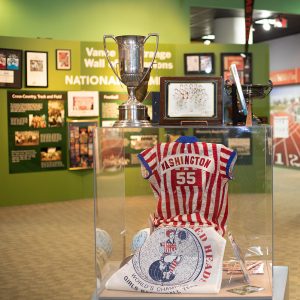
x: 127, y: 204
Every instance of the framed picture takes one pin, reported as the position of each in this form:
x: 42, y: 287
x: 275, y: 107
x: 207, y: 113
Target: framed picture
x: 63, y: 59
x: 83, y: 104
x: 136, y: 141
x: 10, y: 68
x: 81, y: 144
x: 243, y: 64
x: 199, y: 63
x: 191, y: 101
x: 36, y: 69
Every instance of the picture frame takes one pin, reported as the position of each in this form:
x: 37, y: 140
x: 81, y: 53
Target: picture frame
x: 199, y: 63
x: 11, y: 68
x: 243, y: 62
x: 138, y: 141
x: 243, y: 145
x: 81, y: 143
x: 63, y: 59
x: 191, y: 100
x: 36, y: 64
x: 83, y: 104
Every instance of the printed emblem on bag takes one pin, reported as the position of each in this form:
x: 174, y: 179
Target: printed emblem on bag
x: 172, y: 256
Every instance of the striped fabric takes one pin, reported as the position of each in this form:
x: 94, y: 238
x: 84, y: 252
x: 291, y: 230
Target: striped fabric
x: 169, y: 247
x: 190, y: 181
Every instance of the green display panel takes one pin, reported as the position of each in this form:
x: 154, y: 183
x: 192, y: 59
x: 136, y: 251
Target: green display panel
x: 36, y: 131
x: 136, y: 140
x: 109, y: 106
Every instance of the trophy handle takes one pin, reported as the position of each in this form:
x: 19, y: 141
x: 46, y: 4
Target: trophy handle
x: 227, y: 87
x: 156, y: 48
x: 269, y: 88
x: 106, y: 53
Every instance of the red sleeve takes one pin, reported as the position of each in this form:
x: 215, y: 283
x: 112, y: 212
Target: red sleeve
x: 227, y: 161
x: 148, y: 159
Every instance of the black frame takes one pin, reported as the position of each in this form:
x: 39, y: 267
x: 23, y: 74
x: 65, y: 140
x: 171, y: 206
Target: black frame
x: 46, y: 71
x: 199, y: 70
x: 57, y: 60
x: 245, y: 71
x: 12, y: 68
x: 166, y: 118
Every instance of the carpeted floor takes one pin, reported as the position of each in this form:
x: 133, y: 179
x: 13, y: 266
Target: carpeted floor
x: 47, y: 250
x: 286, y: 229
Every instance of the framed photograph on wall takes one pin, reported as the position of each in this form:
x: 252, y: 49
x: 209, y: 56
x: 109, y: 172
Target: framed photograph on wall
x: 36, y: 69
x: 83, y: 104
x: 243, y: 64
x: 63, y: 59
x: 191, y: 101
x: 199, y: 63
x: 81, y: 142
x: 10, y: 68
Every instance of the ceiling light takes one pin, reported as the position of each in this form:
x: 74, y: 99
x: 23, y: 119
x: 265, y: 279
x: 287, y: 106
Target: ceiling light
x: 266, y: 26
x: 207, y: 42
x: 208, y: 37
x: 264, y: 21
x: 279, y: 22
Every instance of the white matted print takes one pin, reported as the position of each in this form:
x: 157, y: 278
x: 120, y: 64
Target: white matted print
x: 281, y: 127
x: 36, y: 69
x: 191, y: 99
x: 83, y: 104
x: 193, y: 63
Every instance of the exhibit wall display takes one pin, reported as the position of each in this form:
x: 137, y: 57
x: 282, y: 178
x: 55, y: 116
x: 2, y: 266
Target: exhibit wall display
x: 285, y: 118
x: 239, y: 140
x: 36, y: 131
x: 89, y: 72
x: 109, y: 103
x: 10, y: 68
x: 81, y: 143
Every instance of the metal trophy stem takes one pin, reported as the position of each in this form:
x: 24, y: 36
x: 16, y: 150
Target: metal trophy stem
x: 250, y: 92
x: 132, y: 73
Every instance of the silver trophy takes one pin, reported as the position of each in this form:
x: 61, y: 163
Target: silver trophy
x: 134, y: 75
x: 250, y: 92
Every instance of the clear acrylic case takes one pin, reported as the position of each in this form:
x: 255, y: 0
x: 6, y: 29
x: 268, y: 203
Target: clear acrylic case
x: 124, y: 201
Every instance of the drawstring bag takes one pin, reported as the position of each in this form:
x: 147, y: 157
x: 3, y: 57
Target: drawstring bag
x: 174, y: 260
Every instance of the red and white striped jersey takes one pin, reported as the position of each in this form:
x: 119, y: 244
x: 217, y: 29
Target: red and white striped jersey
x: 190, y: 181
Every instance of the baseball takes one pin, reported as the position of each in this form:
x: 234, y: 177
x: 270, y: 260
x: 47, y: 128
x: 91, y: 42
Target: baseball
x: 103, y: 241
x: 139, y: 239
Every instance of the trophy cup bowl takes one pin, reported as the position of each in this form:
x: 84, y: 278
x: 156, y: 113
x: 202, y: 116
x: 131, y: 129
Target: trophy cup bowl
x: 250, y: 92
x: 132, y: 73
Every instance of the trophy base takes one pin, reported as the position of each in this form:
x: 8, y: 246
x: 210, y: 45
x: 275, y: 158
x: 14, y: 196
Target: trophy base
x: 129, y: 123
x: 133, y: 115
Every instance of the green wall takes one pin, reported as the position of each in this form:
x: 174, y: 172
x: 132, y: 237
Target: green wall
x: 89, y: 20
x: 39, y: 186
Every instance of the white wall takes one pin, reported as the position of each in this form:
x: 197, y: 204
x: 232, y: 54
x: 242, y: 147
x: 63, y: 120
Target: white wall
x: 285, y: 53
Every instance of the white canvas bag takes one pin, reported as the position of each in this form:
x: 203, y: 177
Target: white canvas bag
x: 174, y: 260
